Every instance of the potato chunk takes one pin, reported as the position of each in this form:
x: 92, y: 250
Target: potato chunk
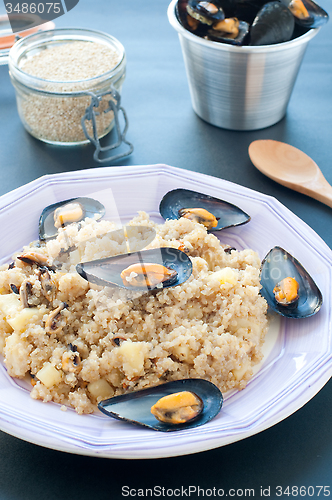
x: 132, y: 355
x: 10, y: 304
x: 16, y: 353
x: 226, y: 275
x: 49, y: 375
x: 100, y: 389
x: 21, y: 320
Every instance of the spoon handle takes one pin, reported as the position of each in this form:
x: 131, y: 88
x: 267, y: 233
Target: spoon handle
x: 317, y: 188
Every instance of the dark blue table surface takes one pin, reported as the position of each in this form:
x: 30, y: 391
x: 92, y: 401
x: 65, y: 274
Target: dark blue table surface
x: 164, y: 129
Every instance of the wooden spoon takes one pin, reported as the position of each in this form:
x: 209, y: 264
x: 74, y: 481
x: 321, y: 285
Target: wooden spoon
x: 290, y: 167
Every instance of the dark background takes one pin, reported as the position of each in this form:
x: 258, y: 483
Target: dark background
x: 164, y: 129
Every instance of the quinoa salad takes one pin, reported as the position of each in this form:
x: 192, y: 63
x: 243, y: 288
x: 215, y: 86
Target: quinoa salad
x: 79, y: 343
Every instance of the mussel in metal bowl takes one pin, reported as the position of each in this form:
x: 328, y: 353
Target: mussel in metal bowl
x: 250, y: 22
x: 173, y: 406
x: 147, y: 270
x: 231, y: 30
x: 213, y: 213
x: 287, y: 287
x: 66, y: 212
x: 307, y: 13
x: 274, y: 23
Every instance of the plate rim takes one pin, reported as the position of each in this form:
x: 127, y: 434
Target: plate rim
x: 219, y: 184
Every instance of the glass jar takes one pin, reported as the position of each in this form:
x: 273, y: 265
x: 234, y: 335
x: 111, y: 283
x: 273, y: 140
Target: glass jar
x: 77, y: 109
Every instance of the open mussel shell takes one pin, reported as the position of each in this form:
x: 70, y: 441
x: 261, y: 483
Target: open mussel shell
x: 206, y: 12
x: 279, y: 264
x: 107, y: 272
x: 135, y: 407
x: 88, y: 208
x: 228, y: 215
x: 309, y: 15
x: 182, y: 15
x: 269, y: 22
x: 196, y: 15
x: 217, y: 36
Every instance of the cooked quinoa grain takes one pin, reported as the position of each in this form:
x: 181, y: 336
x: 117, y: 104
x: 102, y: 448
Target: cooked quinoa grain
x: 108, y: 341
x: 66, y: 68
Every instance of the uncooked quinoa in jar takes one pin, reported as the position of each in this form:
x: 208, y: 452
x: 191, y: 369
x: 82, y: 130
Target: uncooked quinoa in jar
x: 52, y: 85
x: 71, y: 62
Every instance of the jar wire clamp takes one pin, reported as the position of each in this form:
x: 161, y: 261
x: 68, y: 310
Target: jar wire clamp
x: 90, y: 115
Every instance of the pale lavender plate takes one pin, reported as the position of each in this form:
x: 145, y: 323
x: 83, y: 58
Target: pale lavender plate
x: 298, y: 352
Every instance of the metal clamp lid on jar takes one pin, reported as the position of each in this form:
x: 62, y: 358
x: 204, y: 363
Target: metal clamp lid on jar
x: 90, y: 114
x: 97, y: 88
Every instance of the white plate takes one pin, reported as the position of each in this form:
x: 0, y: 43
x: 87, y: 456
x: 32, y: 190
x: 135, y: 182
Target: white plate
x: 297, y: 365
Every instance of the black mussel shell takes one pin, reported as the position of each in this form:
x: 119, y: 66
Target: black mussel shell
x: 228, y: 215
x: 270, y: 23
x: 200, y: 10
x: 216, y: 36
x: 316, y: 15
x: 181, y: 10
x: 274, y: 23
x: 279, y: 264
x: 107, y: 272
x: 135, y: 407
x: 184, y: 18
x: 47, y: 229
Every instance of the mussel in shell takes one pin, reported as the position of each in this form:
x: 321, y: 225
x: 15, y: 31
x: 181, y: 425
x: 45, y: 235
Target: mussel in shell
x: 299, y: 298
x: 265, y: 23
x: 274, y: 23
x: 204, y: 11
x: 307, y: 13
x: 286, y: 292
x: 201, y: 401
x: 148, y: 275
x: 230, y: 30
x: 178, y: 408
x: 199, y: 215
x: 66, y: 212
x: 220, y: 214
x: 115, y: 271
